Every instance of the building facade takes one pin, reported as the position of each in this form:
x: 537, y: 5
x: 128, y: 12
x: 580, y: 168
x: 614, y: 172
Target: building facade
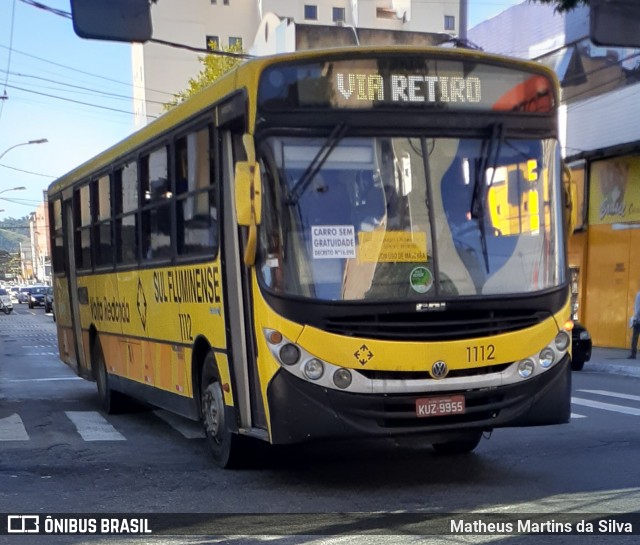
x: 600, y: 123
x: 160, y: 71
x: 40, y: 252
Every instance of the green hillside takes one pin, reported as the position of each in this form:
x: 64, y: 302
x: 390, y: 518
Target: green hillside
x: 12, y: 232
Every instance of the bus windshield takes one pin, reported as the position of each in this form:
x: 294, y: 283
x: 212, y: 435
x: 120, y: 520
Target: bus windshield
x: 408, y: 217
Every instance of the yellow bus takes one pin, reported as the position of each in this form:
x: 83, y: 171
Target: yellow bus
x: 310, y: 249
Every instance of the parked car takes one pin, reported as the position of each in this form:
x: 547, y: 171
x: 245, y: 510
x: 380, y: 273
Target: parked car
x: 6, y: 305
x: 581, y: 346
x: 48, y: 299
x: 36, y: 296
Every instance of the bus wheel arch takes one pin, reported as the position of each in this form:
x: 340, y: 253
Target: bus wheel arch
x: 201, y: 348
x: 112, y: 402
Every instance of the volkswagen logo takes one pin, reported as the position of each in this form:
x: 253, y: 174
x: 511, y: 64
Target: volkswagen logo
x: 439, y: 369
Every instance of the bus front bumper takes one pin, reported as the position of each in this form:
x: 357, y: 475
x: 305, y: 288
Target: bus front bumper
x: 301, y: 411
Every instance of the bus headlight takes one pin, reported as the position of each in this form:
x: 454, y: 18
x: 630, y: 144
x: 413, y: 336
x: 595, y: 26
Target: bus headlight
x: 547, y: 357
x: 562, y: 341
x: 525, y: 368
x: 313, y: 369
x: 289, y: 354
x: 342, y: 378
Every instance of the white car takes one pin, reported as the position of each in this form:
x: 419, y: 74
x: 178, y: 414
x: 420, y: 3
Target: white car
x: 6, y: 305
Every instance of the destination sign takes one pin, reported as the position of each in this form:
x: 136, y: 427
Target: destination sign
x: 406, y: 82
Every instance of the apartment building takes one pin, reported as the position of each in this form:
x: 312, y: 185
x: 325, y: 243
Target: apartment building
x: 160, y: 71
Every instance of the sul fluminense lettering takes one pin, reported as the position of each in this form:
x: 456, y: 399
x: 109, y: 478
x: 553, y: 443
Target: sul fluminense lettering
x: 416, y: 88
x: 199, y: 285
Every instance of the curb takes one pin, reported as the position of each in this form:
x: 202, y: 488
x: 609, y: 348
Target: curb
x: 612, y: 361
x: 612, y: 368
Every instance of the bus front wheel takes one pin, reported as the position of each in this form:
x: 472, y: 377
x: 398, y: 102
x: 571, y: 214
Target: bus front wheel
x: 461, y: 446
x: 224, y: 444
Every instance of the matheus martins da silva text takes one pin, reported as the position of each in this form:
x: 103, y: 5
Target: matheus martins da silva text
x: 527, y: 526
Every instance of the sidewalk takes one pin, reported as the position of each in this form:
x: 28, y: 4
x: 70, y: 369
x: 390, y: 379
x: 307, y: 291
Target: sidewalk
x: 613, y: 360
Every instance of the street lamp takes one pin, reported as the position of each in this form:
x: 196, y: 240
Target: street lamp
x: 38, y: 141
x: 21, y: 188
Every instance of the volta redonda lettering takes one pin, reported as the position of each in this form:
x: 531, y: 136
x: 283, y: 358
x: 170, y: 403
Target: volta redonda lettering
x: 199, y: 285
x: 417, y: 88
x: 109, y: 310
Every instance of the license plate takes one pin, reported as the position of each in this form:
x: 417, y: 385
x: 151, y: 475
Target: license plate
x: 439, y: 406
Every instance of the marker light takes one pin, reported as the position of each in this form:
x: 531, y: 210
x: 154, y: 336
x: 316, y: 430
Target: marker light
x: 547, y: 357
x: 274, y: 337
x: 314, y: 369
x: 342, y: 378
x: 562, y: 341
x: 289, y: 354
x: 525, y: 368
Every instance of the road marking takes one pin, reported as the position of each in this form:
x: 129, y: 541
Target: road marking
x: 612, y: 394
x: 12, y: 429
x: 92, y: 426
x: 188, y: 428
x: 43, y: 379
x: 605, y: 406
x: 575, y: 415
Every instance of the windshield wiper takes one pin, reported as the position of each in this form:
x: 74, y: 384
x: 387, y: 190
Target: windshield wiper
x: 478, y: 201
x: 316, y: 163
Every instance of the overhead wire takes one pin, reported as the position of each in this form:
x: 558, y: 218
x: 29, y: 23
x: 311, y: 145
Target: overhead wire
x: 95, y: 91
x: 4, y: 96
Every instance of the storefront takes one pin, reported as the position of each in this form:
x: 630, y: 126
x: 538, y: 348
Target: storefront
x: 604, y: 252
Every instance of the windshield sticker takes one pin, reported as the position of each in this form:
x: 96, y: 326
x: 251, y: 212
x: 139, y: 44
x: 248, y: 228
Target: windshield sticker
x: 392, y: 247
x: 333, y: 241
x: 421, y: 279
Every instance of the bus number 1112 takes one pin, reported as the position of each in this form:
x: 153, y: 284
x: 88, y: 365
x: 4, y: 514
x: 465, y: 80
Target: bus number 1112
x: 481, y: 352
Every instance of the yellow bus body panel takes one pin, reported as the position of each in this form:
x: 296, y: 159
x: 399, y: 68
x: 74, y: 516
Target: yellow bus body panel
x: 149, y: 319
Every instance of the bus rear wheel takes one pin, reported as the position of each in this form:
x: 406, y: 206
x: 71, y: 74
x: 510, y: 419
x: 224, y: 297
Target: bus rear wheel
x: 460, y: 446
x: 224, y: 445
x: 112, y: 402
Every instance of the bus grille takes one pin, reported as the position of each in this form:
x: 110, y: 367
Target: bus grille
x: 424, y: 375
x: 436, y: 326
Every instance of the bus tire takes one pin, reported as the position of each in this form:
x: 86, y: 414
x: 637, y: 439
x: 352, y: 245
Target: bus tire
x: 112, y: 402
x: 461, y: 446
x: 223, y: 444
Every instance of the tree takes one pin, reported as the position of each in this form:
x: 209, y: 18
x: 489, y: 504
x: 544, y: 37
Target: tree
x: 214, y: 66
x: 563, y: 6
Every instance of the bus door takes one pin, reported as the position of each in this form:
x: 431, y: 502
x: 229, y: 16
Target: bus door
x: 241, y: 336
x: 72, y: 285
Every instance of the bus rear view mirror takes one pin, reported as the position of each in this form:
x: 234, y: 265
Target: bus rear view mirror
x: 243, y: 182
x: 114, y: 20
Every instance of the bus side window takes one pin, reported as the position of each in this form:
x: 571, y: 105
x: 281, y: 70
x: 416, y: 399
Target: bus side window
x: 126, y: 206
x: 196, y: 208
x: 156, y: 215
x: 102, y: 229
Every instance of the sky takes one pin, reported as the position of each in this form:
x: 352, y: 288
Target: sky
x: 74, y: 92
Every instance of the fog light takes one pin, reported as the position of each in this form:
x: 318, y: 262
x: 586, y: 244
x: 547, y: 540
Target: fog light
x: 525, y: 368
x: 562, y: 341
x: 314, y: 369
x: 289, y: 354
x: 547, y: 357
x: 342, y: 378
